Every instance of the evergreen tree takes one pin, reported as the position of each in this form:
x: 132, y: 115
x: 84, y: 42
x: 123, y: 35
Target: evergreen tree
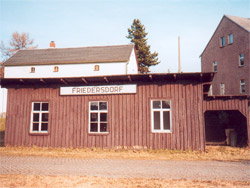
x: 137, y: 35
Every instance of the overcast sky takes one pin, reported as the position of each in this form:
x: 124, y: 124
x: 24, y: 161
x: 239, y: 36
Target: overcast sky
x: 78, y: 23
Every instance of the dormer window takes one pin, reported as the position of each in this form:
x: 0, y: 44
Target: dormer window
x: 56, y: 69
x: 32, y: 70
x: 222, y: 41
x: 96, y: 68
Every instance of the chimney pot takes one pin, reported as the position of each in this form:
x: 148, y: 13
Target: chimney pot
x: 52, y: 44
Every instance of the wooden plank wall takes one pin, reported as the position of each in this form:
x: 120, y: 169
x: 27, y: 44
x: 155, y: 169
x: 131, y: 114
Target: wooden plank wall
x: 128, y: 116
x: 240, y: 104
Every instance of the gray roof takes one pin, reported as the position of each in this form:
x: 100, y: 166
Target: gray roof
x: 243, y: 22
x: 96, y: 54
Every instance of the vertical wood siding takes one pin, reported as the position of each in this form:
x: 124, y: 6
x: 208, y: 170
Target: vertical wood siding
x: 242, y: 105
x: 129, y: 118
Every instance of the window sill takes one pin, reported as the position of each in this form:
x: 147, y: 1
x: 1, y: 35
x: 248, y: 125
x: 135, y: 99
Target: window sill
x: 241, y: 66
x: 98, y: 134
x: 38, y: 134
x: 161, y: 131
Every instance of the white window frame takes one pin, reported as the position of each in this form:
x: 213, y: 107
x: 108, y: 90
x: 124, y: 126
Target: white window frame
x: 222, y: 89
x: 98, y: 122
x: 242, y: 84
x: 230, y: 38
x: 215, y: 64
x: 241, y: 57
x: 40, y: 112
x: 161, y: 110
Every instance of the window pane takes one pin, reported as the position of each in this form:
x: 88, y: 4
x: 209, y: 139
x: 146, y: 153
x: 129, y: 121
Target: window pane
x: 243, y: 89
x: 45, y: 106
x: 35, y: 126
x: 103, y: 127
x: 156, y: 104
x: 166, y: 104
x: 94, y: 106
x: 222, y: 41
x: 93, y: 117
x: 157, y: 120
x: 45, y: 117
x: 242, y: 82
x: 166, y: 120
x: 93, y: 127
x: 231, y: 38
x: 36, y: 107
x: 44, y: 127
x: 103, y: 106
x: 103, y: 117
x: 35, y: 117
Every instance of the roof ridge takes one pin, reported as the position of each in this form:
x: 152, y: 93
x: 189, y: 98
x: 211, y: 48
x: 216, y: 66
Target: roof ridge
x: 77, y: 47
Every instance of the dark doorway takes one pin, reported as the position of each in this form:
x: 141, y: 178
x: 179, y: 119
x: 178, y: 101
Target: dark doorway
x: 218, y: 122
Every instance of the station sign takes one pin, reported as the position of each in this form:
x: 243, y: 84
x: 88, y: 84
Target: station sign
x: 98, y: 90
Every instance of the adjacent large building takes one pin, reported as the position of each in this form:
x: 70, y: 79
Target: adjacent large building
x: 227, y: 54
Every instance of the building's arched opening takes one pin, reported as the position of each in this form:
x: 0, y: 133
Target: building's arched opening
x: 225, y: 127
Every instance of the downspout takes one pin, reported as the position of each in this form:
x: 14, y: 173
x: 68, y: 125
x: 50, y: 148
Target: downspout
x: 127, y: 67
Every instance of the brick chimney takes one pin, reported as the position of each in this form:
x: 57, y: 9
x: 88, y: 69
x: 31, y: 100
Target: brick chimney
x: 52, y: 44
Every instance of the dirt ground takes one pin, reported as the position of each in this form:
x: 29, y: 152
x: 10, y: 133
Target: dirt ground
x: 235, y: 155
x: 90, y: 181
x: 212, y: 153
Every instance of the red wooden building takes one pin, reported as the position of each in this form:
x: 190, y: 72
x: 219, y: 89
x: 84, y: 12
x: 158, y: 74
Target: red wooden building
x: 158, y: 111
x: 165, y: 111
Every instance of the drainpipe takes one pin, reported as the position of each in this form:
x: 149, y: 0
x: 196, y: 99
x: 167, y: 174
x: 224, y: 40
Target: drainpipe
x: 127, y: 67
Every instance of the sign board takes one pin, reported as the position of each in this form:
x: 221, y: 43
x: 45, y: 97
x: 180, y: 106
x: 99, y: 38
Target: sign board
x: 98, y: 90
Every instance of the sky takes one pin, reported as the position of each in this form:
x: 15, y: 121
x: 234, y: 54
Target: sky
x: 79, y: 23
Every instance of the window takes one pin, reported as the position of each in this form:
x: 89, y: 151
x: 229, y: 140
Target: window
x: 56, y: 69
x: 222, y: 89
x: 215, y: 66
x: 161, y: 116
x: 230, y: 39
x: 98, y: 117
x: 96, y: 68
x: 222, y: 41
x: 32, y: 70
x: 39, y: 117
x: 242, y: 86
x: 241, y: 60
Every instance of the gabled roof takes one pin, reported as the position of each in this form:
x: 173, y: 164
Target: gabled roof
x: 96, y: 54
x: 244, y: 23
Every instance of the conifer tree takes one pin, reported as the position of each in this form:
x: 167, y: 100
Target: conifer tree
x: 137, y: 35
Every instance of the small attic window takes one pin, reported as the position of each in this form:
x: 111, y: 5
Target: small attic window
x: 32, y: 70
x: 56, y: 68
x: 96, y: 68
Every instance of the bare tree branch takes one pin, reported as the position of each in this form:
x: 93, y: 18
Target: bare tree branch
x: 17, y: 42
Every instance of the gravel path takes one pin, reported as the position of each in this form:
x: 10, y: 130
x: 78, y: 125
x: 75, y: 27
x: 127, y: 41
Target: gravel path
x: 117, y: 168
